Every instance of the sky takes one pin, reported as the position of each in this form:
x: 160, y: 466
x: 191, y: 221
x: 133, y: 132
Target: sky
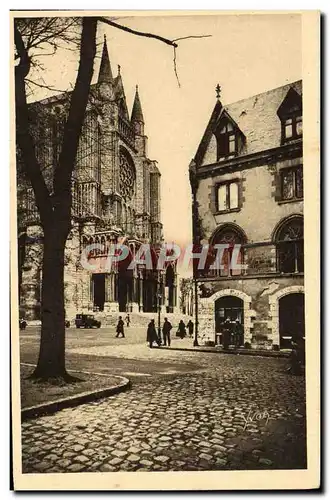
x: 246, y: 54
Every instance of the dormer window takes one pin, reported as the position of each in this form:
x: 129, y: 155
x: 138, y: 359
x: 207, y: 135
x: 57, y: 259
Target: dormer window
x: 290, y: 114
x: 226, y: 140
x: 292, y: 128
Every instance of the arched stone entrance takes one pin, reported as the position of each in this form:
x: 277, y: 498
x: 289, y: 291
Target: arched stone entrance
x: 229, y: 309
x: 207, y: 317
x: 280, y: 317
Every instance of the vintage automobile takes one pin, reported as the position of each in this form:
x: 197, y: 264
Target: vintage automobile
x: 86, y: 321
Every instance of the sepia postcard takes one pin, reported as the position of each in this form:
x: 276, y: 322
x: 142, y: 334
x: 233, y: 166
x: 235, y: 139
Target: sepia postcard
x: 165, y: 229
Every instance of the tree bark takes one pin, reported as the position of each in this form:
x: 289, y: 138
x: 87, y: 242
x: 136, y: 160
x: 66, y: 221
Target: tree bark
x: 51, y: 362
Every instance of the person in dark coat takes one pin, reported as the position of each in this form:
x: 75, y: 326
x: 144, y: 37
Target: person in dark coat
x: 167, y: 327
x: 238, y: 334
x: 226, y: 333
x: 128, y: 320
x: 181, y: 330
x: 120, y: 327
x: 151, y: 333
x: 190, y: 326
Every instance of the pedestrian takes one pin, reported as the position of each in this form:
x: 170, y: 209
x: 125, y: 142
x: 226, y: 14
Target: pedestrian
x: 238, y: 334
x: 120, y: 327
x: 181, y: 330
x: 226, y: 333
x: 167, y: 327
x: 128, y: 320
x: 190, y: 326
x: 151, y: 333
x: 297, y: 355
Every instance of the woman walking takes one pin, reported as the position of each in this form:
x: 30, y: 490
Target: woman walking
x: 151, y: 333
x: 181, y: 330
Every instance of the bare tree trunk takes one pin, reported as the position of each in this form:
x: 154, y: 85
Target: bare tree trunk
x: 55, y: 210
x: 51, y: 362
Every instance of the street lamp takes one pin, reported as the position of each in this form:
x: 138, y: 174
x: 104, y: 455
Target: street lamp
x: 195, y: 220
x: 195, y: 344
x: 159, y: 299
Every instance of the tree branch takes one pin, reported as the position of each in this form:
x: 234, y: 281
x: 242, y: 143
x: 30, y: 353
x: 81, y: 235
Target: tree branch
x: 175, y: 68
x: 138, y: 33
x: 23, y: 135
x: 190, y: 36
x: 44, y: 86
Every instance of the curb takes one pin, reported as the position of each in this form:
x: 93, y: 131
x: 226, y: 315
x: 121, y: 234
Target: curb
x: 76, y: 400
x: 266, y: 354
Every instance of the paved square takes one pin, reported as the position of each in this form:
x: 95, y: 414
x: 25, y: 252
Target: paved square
x: 216, y: 412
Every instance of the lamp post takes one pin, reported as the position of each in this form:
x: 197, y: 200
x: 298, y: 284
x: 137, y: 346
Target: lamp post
x: 196, y: 241
x: 195, y: 344
x: 159, y: 298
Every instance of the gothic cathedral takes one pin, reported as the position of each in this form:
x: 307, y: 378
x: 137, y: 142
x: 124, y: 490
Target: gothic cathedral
x: 116, y: 197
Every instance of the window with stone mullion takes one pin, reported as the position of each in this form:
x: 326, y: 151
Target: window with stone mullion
x: 292, y: 183
x: 290, y: 248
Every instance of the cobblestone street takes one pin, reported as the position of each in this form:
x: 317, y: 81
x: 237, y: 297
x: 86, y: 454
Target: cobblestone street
x: 236, y: 412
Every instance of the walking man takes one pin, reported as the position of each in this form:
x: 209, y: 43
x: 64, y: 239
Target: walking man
x: 120, y: 327
x: 167, y: 327
x: 128, y: 320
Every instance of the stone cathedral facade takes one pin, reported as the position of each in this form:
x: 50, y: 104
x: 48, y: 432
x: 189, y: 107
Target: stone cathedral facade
x: 247, y: 187
x: 116, y: 197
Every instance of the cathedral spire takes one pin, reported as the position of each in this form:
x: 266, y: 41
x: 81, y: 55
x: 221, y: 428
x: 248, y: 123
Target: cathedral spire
x: 137, y: 115
x: 105, y: 73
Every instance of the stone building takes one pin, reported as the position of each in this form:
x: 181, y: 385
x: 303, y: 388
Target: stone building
x: 247, y: 189
x: 116, y: 197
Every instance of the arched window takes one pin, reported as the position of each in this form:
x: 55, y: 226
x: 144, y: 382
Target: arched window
x: 118, y: 213
x: 290, y: 246
x: 97, y: 242
x: 232, y: 237
x: 127, y: 175
x: 129, y: 220
x: 124, y: 217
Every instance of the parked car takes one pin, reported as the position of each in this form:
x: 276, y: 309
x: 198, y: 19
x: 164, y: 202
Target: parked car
x: 22, y: 324
x: 87, y: 321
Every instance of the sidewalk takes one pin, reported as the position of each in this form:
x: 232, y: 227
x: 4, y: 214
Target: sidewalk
x: 186, y: 344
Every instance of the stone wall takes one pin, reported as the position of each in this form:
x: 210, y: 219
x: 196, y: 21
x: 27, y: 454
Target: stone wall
x: 260, y: 297
x: 259, y: 208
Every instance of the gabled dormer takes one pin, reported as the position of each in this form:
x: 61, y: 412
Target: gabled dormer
x: 222, y: 139
x: 229, y: 137
x: 290, y: 115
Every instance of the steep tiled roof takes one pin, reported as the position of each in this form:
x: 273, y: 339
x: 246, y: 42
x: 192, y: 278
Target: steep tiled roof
x: 256, y: 118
